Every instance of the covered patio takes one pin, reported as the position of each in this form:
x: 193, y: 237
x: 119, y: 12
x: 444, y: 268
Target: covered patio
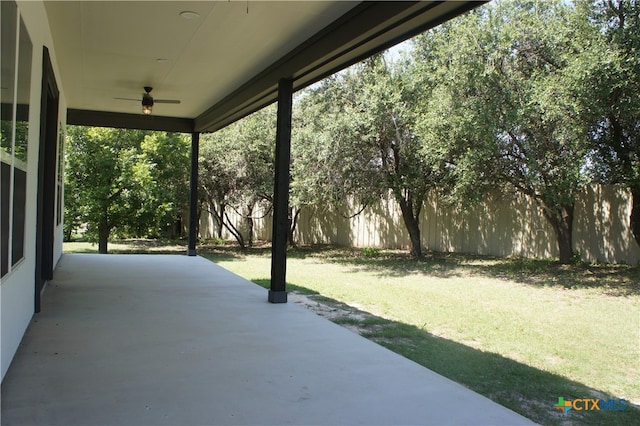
x: 177, y: 340
x: 168, y: 340
x: 218, y: 62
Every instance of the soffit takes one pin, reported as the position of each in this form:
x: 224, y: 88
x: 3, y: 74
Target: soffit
x: 223, y: 65
x: 366, y: 29
x: 110, y: 49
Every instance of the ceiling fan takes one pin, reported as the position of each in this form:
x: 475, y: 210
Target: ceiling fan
x: 148, y: 101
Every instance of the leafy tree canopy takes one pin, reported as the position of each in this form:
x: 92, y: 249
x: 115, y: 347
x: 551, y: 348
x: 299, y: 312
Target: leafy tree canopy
x: 507, y: 107
x: 127, y: 182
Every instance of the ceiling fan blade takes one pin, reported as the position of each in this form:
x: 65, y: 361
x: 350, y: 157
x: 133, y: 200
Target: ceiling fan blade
x: 166, y: 101
x: 127, y: 99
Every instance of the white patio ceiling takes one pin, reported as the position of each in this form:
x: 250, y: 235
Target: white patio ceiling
x: 223, y: 64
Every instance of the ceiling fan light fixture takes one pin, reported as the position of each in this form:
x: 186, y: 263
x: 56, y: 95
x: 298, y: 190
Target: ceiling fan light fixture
x: 147, y: 103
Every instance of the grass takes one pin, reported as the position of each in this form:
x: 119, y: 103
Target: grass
x: 131, y: 246
x: 522, y: 332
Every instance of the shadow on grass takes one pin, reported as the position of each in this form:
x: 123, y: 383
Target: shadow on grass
x: 219, y: 254
x: 611, y: 279
x: 266, y: 282
x: 263, y: 249
x: 129, y: 246
x: 230, y: 251
x: 524, y: 389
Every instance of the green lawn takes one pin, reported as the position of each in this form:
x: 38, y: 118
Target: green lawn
x: 521, y: 332
x: 133, y: 246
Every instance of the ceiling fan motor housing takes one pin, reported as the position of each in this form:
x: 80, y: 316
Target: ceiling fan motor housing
x: 147, y: 100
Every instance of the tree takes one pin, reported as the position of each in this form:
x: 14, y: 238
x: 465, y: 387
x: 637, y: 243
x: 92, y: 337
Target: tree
x: 125, y: 182
x: 106, y: 185
x: 610, y: 97
x: 369, y: 112
x: 256, y: 143
x: 327, y: 168
x: 166, y: 157
x: 216, y: 176
x: 507, y: 104
x: 236, y: 171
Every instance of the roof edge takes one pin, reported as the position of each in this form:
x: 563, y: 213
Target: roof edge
x: 129, y: 121
x: 332, y: 49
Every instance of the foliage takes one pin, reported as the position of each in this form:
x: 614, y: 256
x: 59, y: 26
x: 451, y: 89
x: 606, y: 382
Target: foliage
x: 499, y: 98
x: 236, y: 171
x: 611, y: 83
x: 126, y: 182
x: 327, y: 166
x: 530, y: 96
x: 166, y: 157
x: 506, y: 104
x: 370, y: 252
x: 367, y: 117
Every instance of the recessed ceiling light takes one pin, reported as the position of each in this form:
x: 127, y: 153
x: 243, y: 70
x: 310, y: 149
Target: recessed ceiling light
x: 188, y: 14
x: 162, y: 60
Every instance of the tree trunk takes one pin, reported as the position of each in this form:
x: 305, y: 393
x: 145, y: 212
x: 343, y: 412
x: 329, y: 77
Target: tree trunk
x: 249, y: 225
x: 293, y: 223
x: 220, y: 220
x: 248, y: 222
x: 68, y: 232
x: 412, y: 223
x: 103, y: 235
x: 562, y: 223
x: 176, y: 229
x: 634, y: 219
x: 237, y: 234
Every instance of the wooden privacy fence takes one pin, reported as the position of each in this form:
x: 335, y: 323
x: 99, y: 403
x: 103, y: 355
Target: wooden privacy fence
x: 504, y: 226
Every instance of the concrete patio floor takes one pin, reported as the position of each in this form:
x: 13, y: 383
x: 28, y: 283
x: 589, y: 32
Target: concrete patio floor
x: 177, y: 340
